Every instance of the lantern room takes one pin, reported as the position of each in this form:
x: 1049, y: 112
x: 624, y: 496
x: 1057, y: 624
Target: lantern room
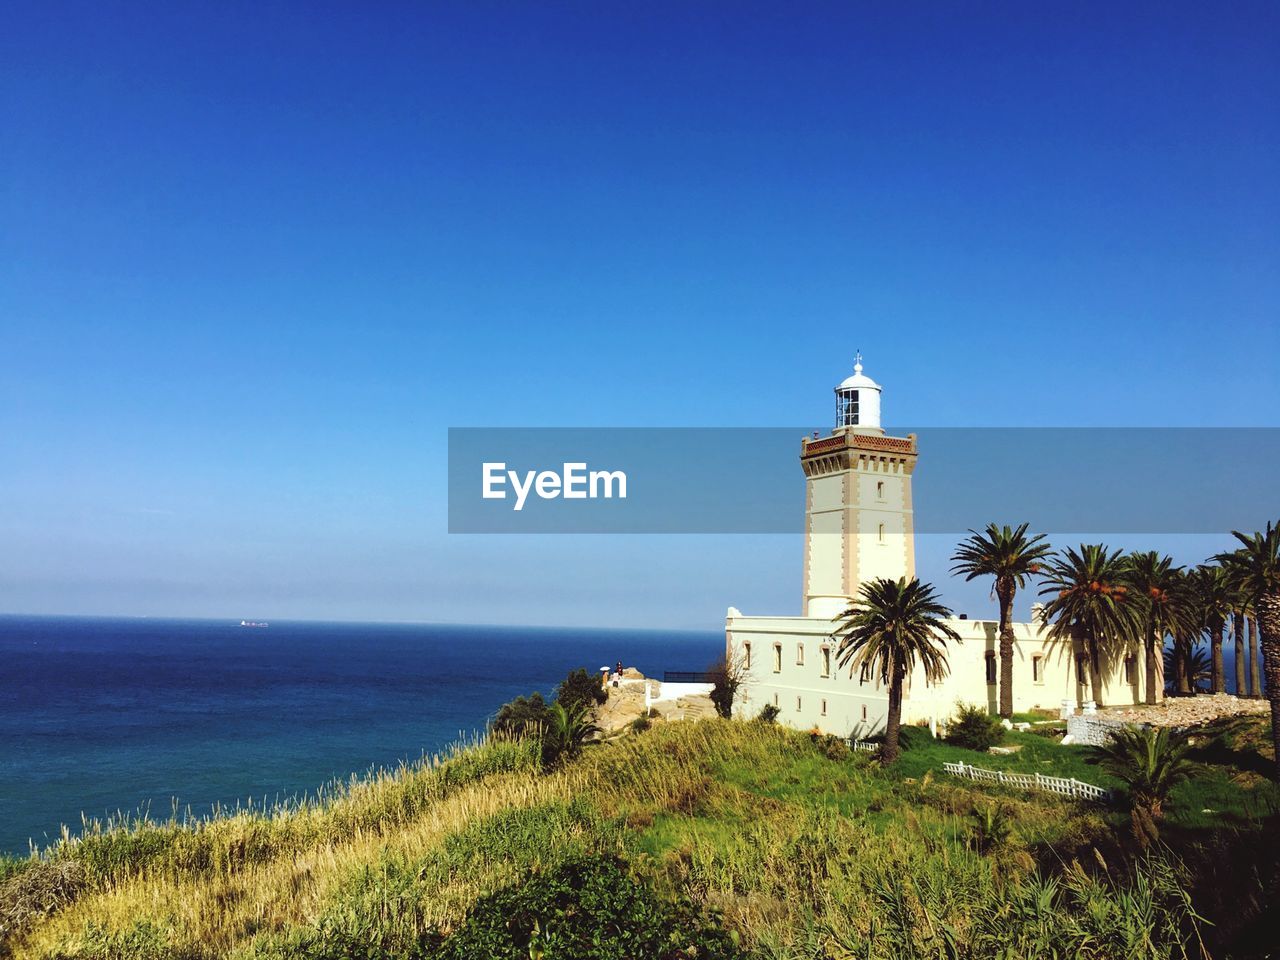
x: 858, y: 402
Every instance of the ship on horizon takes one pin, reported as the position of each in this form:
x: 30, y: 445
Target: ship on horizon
x: 254, y: 623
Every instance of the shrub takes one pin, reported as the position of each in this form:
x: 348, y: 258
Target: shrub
x: 830, y: 746
x: 640, y: 724
x: 1150, y: 762
x: 580, y: 689
x: 35, y: 891
x: 768, y: 713
x: 588, y: 909
x: 990, y: 826
x: 11, y: 865
x: 522, y: 715
x: 974, y: 729
x: 725, y: 680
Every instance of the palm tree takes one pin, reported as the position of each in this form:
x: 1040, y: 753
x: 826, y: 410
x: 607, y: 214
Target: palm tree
x: 566, y: 732
x: 1244, y: 626
x: 1239, y: 605
x: 1189, y: 666
x: 889, y: 627
x: 1154, y: 579
x: 1011, y: 557
x: 1185, y: 626
x: 1256, y: 567
x: 1092, y: 605
x: 1215, y: 599
x: 1149, y: 761
x: 1255, y: 655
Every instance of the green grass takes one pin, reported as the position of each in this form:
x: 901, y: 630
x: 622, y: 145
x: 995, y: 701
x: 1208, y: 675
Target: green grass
x: 1035, y: 754
x: 800, y: 849
x: 1227, y: 782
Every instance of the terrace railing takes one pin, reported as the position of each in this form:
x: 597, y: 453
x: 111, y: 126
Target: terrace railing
x: 687, y: 676
x: 1063, y: 786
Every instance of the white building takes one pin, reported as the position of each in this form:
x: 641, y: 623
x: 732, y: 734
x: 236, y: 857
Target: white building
x: 858, y: 527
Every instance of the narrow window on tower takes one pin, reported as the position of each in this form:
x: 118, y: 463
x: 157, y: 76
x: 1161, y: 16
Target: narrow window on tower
x: 882, y: 533
x: 746, y: 656
x: 1131, y: 670
x: 864, y: 711
x: 991, y: 668
x: 826, y: 661
x: 1037, y: 669
x: 880, y: 489
x: 824, y: 708
x: 799, y: 654
x: 798, y: 705
x: 777, y: 658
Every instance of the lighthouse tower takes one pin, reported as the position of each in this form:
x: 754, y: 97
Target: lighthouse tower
x: 858, y: 515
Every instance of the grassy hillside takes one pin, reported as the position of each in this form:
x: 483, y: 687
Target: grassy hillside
x: 708, y: 839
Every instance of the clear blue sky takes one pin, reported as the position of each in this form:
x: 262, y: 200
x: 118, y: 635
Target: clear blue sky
x: 256, y: 258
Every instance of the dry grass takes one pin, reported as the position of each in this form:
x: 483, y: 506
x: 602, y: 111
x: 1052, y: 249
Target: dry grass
x: 804, y: 855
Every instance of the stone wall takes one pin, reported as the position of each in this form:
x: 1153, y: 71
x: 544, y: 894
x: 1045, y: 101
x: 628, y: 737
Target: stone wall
x: 1092, y: 731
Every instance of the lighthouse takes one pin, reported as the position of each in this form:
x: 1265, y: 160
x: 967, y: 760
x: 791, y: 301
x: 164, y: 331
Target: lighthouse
x: 858, y: 514
x: 859, y: 526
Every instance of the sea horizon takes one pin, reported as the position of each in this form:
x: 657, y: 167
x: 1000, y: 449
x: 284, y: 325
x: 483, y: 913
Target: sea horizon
x: 150, y: 715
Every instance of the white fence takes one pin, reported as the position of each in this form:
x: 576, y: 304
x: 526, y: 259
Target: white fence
x: 865, y: 745
x: 1067, y: 787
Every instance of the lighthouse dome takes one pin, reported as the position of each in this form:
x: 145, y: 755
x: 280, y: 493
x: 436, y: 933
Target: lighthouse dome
x: 859, y: 379
x: 858, y: 402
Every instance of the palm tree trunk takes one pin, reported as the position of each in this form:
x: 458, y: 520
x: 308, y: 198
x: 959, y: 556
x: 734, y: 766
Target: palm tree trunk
x: 1182, y: 657
x: 1217, y: 682
x: 894, y: 720
x: 1268, y: 622
x: 1255, y: 660
x: 1237, y: 631
x: 1151, y: 661
x: 1006, y: 591
x: 1095, y: 674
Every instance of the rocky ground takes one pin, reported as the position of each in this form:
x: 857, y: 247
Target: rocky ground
x: 626, y: 703
x: 1188, y: 711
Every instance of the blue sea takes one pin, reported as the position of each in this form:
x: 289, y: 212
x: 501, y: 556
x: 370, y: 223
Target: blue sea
x: 106, y: 715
